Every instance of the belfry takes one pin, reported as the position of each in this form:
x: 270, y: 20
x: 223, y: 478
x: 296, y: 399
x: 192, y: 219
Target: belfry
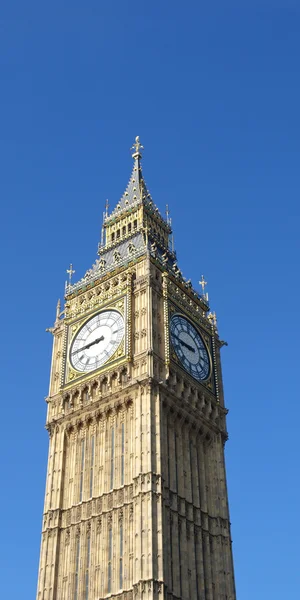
x: 136, y: 504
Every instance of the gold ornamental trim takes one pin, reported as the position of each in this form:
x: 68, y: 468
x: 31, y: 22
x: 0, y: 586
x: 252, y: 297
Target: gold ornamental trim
x: 73, y: 326
x: 207, y: 340
x: 106, y: 368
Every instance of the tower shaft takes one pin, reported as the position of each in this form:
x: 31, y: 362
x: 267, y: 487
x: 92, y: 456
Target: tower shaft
x: 136, y: 504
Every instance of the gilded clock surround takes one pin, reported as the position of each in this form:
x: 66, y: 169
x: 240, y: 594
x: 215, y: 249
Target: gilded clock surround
x: 177, y: 300
x: 206, y: 341
x: 136, y: 446
x: 73, y: 326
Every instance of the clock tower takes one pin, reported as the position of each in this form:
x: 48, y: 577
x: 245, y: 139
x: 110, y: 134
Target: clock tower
x: 136, y: 504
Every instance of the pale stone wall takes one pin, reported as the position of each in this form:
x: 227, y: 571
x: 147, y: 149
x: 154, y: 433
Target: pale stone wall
x: 168, y: 432
x: 198, y: 558
x: 73, y: 513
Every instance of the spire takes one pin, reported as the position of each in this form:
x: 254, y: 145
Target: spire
x: 135, y: 228
x: 136, y: 191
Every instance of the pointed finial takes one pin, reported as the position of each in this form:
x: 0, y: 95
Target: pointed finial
x: 167, y: 213
x: 58, y: 309
x: 106, y: 208
x: 212, y: 317
x: 70, y: 272
x: 203, y: 283
x: 137, y: 147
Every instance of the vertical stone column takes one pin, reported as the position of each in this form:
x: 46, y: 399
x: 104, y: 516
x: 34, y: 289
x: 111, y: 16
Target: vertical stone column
x: 49, y: 536
x: 227, y: 544
x: 58, y: 350
x: 156, y: 468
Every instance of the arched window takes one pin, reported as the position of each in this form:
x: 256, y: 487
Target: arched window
x: 92, y: 465
x: 121, y: 558
x: 85, y: 395
x: 87, y: 569
x: 104, y: 385
x: 122, y: 454
x: 77, y: 568
x: 109, y: 565
x: 112, y: 458
x: 82, y: 452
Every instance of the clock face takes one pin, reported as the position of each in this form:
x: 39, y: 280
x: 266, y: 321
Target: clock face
x: 97, y: 340
x: 189, y: 347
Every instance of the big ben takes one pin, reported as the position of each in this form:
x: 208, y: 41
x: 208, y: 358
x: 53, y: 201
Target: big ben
x: 136, y: 504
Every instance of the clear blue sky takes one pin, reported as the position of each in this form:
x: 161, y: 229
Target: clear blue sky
x: 213, y: 90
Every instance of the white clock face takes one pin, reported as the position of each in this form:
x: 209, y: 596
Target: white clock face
x: 97, y: 341
x: 189, y: 347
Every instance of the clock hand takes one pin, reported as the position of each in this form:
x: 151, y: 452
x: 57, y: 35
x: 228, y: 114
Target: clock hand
x: 100, y: 339
x: 187, y: 346
x: 89, y: 345
x: 184, y: 343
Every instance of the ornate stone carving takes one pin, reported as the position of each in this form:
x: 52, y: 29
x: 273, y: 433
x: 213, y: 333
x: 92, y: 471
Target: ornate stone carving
x: 159, y: 587
x: 99, y: 525
x: 99, y: 505
x: 67, y: 537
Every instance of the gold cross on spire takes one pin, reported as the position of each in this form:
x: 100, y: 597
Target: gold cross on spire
x: 137, y: 147
x: 70, y: 272
x: 203, y: 283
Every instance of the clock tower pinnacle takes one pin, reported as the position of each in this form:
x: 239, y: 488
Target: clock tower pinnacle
x: 136, y: 504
